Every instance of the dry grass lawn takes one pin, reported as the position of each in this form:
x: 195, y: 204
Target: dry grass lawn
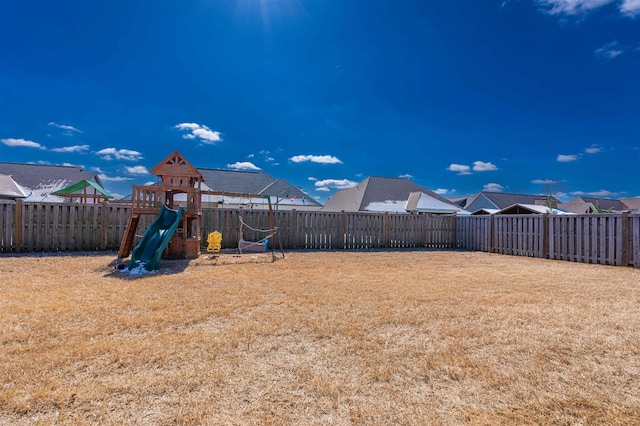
x: 365, y: 338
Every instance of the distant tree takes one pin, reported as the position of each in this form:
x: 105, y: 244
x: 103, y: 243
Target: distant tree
x: 550, y: 190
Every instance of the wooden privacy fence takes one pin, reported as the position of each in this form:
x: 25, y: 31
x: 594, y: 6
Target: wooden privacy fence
x: 334, y: 230
x: 610, y: 239
x: 40, y: 227
x: 29, y: 227
x: 607, y: 239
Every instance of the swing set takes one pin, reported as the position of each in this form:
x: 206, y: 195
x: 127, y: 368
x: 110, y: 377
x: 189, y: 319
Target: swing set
x: 268, y: 236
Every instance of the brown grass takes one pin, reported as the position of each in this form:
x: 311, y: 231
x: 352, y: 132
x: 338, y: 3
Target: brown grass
x: 320, y: 338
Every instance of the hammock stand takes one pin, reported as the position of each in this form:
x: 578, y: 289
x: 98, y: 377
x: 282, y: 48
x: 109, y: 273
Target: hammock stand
x: 260, y: 246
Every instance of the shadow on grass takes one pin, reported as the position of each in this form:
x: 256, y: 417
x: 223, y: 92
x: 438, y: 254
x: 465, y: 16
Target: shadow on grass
x: 118, y: 268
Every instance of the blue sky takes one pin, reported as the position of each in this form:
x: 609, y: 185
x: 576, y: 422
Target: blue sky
x: 458, y: 96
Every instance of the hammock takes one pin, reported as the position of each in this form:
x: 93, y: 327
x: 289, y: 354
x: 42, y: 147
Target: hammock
x: 260, y: 246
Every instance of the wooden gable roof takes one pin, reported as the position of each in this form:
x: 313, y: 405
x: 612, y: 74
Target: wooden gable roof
x: 176, y: 165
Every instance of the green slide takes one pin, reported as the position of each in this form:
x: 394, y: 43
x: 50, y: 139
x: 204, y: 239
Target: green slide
x: 155, y: 239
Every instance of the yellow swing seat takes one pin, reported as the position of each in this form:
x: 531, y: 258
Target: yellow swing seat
x: 215, y: 241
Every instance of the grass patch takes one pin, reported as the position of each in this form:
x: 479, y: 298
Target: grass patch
x: 413, y: 337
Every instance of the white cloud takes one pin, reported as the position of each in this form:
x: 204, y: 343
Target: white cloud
x: 106, y: 178
x: 562, y: 158
x: 441, y: 191
x: 137, y: 170
x: 608, y: 52
x: 544, y: 181
x: 493, y: 187
x: 406, y: 176
x: 74, y: 148
x: 200, y: 132
x: 600, y: 193
x: 593, y: 149
x: 630, y: 8
x: 479, y: 166
x: 334, y: 184
x: 571, y: 7
x: 312, y: 179
x: 323, y: 189
x: 243, y: 165
x: 65, y: 127
x: 461, y: 169
x: 321, y: 159
x: 21, y: 143
x: 119, y: 154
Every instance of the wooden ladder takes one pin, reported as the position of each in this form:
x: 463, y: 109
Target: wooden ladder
x: 129, y: 235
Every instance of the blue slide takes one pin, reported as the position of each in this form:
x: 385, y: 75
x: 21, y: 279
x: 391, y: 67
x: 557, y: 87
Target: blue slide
x: 155, y: 239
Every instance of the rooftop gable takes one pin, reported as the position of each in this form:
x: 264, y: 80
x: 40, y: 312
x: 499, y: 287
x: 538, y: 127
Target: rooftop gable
x: 9, y: 189
x: 425, y: 203
x: 378, y: 194
x: 176, y: 165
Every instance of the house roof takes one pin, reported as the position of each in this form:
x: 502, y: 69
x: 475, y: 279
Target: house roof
x: 603, y: 203
x: 424, y: 203
x: 10, y: 189
x: 378, y: 194
x: 502, y: 200
x: 484, y: 212
x: 461, y: 201
x: 631, y: 203
x: 520, y: 208
x: 79, y: 186
x: 40, y: 181
x: 249, y: 182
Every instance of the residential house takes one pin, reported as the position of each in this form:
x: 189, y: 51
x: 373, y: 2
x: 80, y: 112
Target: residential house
x: 283, y: 195
x: 588, y: 205
x: 384, y: 194
x: 39, y: 182
x: 502, y: 200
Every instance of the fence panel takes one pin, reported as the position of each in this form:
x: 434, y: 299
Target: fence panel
x: 7, y: 227
x: 608, y: 239
x: 634, y: 240
x: 473, y: 232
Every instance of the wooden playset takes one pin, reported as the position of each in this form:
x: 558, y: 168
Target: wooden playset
x: 176, y: 176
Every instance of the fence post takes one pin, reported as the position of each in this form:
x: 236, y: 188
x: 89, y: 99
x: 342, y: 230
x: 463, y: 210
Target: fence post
x: 294, y: 229
x: 545, y: 236
x: 343, y: 229
x: 624, y: 258
x: 492, y: 237
x: 425, y: 223
x: 103, y: 226
x: 19, y: 225
x: 387, y: 243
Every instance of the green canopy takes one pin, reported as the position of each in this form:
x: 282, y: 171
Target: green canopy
x: 72, y: 190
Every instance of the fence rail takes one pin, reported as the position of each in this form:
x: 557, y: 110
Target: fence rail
x: 608, y: 239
